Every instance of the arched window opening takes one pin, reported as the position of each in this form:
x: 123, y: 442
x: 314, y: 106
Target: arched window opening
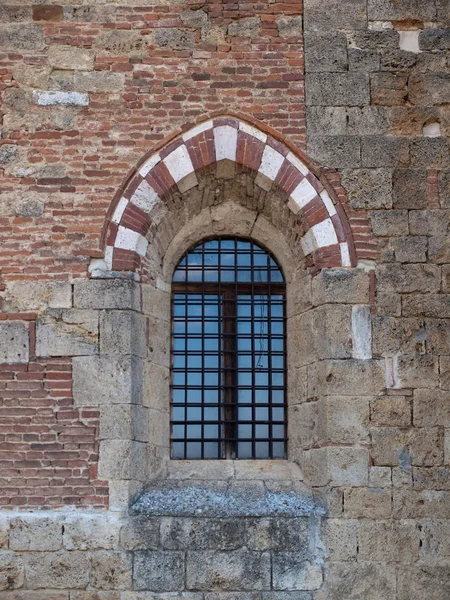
x: 228, y: 353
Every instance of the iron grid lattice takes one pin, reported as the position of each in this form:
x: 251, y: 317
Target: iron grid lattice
x: 228, y: 353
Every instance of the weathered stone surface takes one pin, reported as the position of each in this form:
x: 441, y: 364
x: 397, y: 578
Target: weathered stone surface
x: 389, y: 223
x: 386, y: 10
x: 60, y: 98
x: 14, y: 342
x: 111, y: 570
x: 390, y: 411
x: 415, y: 504
x: 120, y: 42
x: 428, y: 89
x: 68, y: 57
x: 363, y: 60
x: 349, y: 14
x: 387, y: 89
x: 431, y: 478
x: 289, y: 26
x: 11, y: 571
x: 427, y: 446
x: 67, y: 333
x: 337, y: 89
x: 57, y: 570
x: 435, y: 538
x: 389, y: 447
x: 278, y: 535
x: 91, y: 532
x: 344, y: 419
x: 427, y: 305
x: 386, y: 151
x: 124, y: 422
x: 339, y: 538
x: 123, y: 332
x: 123, y: 459
x: 341, y: 286
x: 388, y: 541
x: 336, y: 151
x: 380, y: 477
x: 408, y: 278
x: 392, y: 336
x: 432, y: 152
x: 329, y: 119
x: 246, y: 27
x: 98, y: 81
x: 431, y: 408
x: 368, y: 188
x: 32, y: 76
x: 107, y: 293
x: 202, y: 534
x: 418, y: 371
x: 194, y: 18
x: 434, y: 39
x: 332, y: 377
x: 417, y: 580
x: 37, y: 296
x: 354, y: 581
x: 159, y: 571
x: 372, y: 503
x: 175, y: 39
x: 35, y: 533
x: 292, y: 572
x: 325, y: 53
x: 140, y: 533
x: 366, y: 120
x: 347, y: 466
x: 21, y: 36
x: 410, y: 250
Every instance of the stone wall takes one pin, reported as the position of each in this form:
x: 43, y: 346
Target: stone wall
x: 90, y: 92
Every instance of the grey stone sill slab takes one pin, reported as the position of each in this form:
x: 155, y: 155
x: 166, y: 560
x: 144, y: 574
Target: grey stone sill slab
x: 226, y: 495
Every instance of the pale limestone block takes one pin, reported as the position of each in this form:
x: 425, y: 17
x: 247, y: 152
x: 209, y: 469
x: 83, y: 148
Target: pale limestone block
x: 345, y: 254
x: 159, y: 341
x: 418, y: 371
x: 350, y: 377
x: 122, y: 493
x: 57, y: 570
x: 375, y: 503
x: 107, y: 380
x: 402, y: 476
x: 144, y: 197
x: 358, y: 580
x: 119, y: 210
x: 95, y: 531
x: 348, y: 466
x: 37, y: 296
x: 155, y: 302
x: 71, y: 57
x: 201, y: 470
x: 344, y: 419
x: 426, y: 446
x: 36, y: 532
x: 423, y: 580
x: 158, y: 427
x: 308, y: 241
x: 292, y: 572
x: 332, y: 331
x: 303, y: 423
x: 388, y: 541
x: 156, y: 387
x: 4, y: 531
x: 340, y: 286
x: 111, y: 570
x: 414, y: 504
x: 380, y: 477
x: 339, y: 537
x: 67, y: 333
x: 123, y: 459
x: 328, y: 202
x: 361, y: 332
x: 11, y: 571
x: 179, y: 163
x: 124, y: 422
x: 302, y: 194
x: 123, y: 332
x: 14, y: 342
x: 253, y: 131
x: 60, y: 98
x: 107, y: 293
x: 149, y: 164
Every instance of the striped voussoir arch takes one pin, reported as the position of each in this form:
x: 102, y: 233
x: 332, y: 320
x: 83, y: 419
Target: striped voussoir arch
x: 327, y: 241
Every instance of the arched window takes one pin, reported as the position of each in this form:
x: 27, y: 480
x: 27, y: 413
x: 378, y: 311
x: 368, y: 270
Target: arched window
x: 228, y: 353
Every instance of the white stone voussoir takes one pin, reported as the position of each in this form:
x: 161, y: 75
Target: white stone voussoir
x: 119, y: 210
x: 179, y: 163
x: 250, y: 130
x: 328, y: 202
x: 197, y: 130
x: 325, y: 234
x: 225, y: 142
x: 303, y: 193
x: 144, y: 197
x: 149, y: 164
x: 127, y: 239
x: 271, y: 162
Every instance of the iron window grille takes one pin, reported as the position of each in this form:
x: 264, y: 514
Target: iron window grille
x: 228, y: 353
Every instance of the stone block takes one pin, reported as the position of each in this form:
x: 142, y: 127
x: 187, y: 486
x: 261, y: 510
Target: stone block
x: 34, y: 532
x: 155, y: 302
x: 202, y: 534
x: 107, y: 380
x: 67, y: 333
x: 410, y: 120
x: 343, y: 419
x: 4, y: 532
x: 368, y: 188
x: 431, y: 478
x: 91, y: 532
x: 278, y: 534
x: 418, y: 371
x: 390, y: 411
x: 444, y: 187
x: 430, y: 152
x: 332, y: 330
x: 388, y: 89
x: 71, y: 58
x: 392, y: 336
x: 349, y: 377
x: 173, y: 39
x: 388, y: 541
x: 123, y: 332
x: 387, y: 10
x: 428, y: 89
x: 335, y: 151
x: 37, y: 296
x: 347, y: 466
x: 427, y: 446
x: 159, y: 341
x: 21, y: 36
x: 357, y: 580
x: 60, y: 98
x: 289, y: 26
x: 398, y: 60
x: 402, y: 476
x: 349, y: 14
x: 389, y: 304
x: 417, y: 504
x: 11, y: 571
x: 107, y: 293
x: 246, y: 27
x: 290, y: 571
x: 98, y: 81
x: 390, y: 447
x: 121, y: 42
x: 370, y: 503
x: 13, y: 14
x: 57, y: 570
x: 435, y: 538
x: 408, y: 279
x: 419, y: 580
x: 380, y: 477
x: 431, y: 408
x: 111, y: 570
x: 389, y: 223
x: 303, y: 422
x: 341, y: 286
x: 325, y: 53
x: 124, y: 422
x: 31, y: 76
x: 366, y: 120
x: 445, y: 372
x: 386, y: 151
x: 339, y: 538
x: 156, y: 389
x: 140, y: 533
x: 326, y: 120
x: 159, y: 571
x: 123, y: 459
x: 242, y: 570
x: 410, y: 250
x: 14, y: 342
x: 427, y: 305
x: 363, y: 60
x: 337, y: 89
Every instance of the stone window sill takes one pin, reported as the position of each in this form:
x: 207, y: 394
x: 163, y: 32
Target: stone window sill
x: 256, y: 488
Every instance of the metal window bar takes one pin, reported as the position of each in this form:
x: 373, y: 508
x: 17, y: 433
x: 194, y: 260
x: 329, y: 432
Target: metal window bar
x: 228, y: 353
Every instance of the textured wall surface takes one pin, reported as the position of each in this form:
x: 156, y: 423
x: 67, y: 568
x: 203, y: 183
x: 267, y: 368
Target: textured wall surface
x: 359, y: 219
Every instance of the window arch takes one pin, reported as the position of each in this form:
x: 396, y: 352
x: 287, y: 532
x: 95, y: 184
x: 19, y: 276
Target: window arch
x: 228, y: 365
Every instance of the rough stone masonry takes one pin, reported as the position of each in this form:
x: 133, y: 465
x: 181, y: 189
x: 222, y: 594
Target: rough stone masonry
x: 132, y: 130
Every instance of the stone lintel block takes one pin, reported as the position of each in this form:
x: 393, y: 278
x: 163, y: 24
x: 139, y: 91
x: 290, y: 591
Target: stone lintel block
x: 340, y: 286
x: 242, y: 570
x: 367, y: 503
x: 123, y: 460
x: 57, y: 570
x: 337, y: 89
x: 36, y: 532
x: 160, y: 571
x: 107, y: 380
x: 67, y: 333
x: 14, y: 342
x: 107, y: 293
x: 346, y: 377
x: 123, y: 332
x: 37, y: 296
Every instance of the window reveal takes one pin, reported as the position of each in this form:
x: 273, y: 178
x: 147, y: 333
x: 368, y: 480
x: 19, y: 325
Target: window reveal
x: 228, y: 353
